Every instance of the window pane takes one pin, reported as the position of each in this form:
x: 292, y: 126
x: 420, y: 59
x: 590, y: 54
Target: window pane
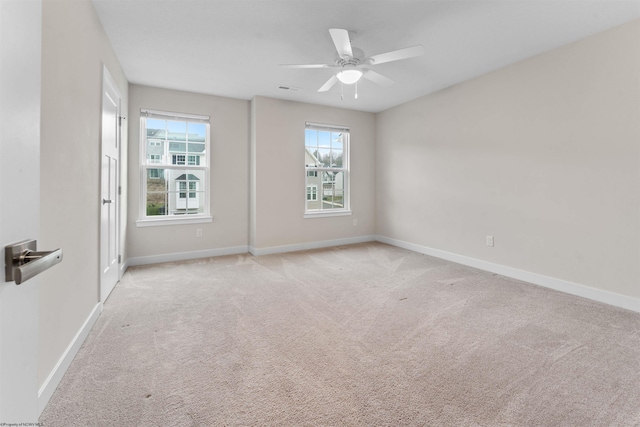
x: 311, y: 139
x: 156, y: 204
x: 156, y: 192
x: 198, y: 151
x: 311, y: 157
x: 324, y: 139
x: 336, y: 158
x: 155, y: 147
x: 183, y: 201
x: 154, y: 159
x: 324, y: 157
x: 196, y: 147
x: 197, y: 132
x: 333, y: 191
x: 312, y: 198
x: 177, y: 147
x: 177, y: 131
x: 336, y: 141
x: 156, y: 128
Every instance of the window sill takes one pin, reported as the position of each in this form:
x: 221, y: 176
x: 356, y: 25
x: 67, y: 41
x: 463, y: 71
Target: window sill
x: 324, y: 214
x: 172, y: 221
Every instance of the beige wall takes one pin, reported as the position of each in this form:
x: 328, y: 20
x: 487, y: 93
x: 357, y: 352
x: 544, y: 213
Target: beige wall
x: 543, y: 155
x: 74, y: 49
x: 229, y: 157
x: 279, y: 176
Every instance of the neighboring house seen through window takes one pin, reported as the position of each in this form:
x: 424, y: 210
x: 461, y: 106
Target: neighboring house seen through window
x: 327, y: 169
x: 176, y: 169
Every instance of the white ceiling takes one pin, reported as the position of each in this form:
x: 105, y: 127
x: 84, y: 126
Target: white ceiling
x: 233, y: 48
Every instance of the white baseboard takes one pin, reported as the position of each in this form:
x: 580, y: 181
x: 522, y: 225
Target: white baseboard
x: 600, y: 295
x: 123, y: 269
x: 310, y: 245
x: 182, y: 256
x: 54, y: 378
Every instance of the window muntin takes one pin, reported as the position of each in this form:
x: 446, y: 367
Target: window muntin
x: 326, y: 166
x: 176, y: 170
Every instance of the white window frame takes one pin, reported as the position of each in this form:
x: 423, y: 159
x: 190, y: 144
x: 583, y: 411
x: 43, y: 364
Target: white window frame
x: 146, y: 164
x: 346, y: 168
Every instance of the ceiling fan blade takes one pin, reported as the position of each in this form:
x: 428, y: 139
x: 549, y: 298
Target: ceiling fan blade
x: 396, y: 55
x: 329, y: 84
x: 377, y: 78
x: 306, y: 65
x: 341, y: 41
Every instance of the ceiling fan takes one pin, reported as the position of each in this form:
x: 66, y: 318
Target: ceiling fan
x: 353, y: 64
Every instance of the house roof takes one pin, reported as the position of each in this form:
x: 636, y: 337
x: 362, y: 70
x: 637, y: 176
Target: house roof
x: 189, y: 177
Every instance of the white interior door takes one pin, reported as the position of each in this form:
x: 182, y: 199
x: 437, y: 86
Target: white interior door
x: 20, y: 68
x: 110, y: 181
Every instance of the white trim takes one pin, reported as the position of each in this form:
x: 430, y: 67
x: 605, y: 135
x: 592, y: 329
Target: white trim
x: 325, y: 127
x: 56, y: 374
x: 172, y: 220
x: 123, y: 269
x: 310, y: 245
x: 327, y: 213
x: 183, y: 256
x: 600, y: 295
x: 167, y: 115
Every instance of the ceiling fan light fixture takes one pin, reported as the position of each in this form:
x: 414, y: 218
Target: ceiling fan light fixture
x: 350, y: 76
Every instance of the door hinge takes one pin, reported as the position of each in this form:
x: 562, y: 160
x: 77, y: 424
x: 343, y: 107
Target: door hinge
x: 120, y: 119
x: 119, y: 259
x: 119, y: 190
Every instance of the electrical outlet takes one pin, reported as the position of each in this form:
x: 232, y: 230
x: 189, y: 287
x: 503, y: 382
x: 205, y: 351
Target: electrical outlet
x: 489, y: 240
x: 355, y: 222
x: 199, y: 232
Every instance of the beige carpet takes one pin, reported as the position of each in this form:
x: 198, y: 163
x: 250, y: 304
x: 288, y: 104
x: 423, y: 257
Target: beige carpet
x: 363, y: 335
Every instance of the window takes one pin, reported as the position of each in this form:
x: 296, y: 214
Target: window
x: 179, y: 159
x: 327, y: 170
x: 176, y: 169
x: 312, y: 192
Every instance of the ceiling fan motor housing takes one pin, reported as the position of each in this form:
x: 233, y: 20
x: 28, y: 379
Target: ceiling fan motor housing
x: 357, y: 59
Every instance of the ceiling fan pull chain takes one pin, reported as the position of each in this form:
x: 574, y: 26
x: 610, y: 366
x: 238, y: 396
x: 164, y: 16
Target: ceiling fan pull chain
x: 341, y: 91
x: 356, y: 90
